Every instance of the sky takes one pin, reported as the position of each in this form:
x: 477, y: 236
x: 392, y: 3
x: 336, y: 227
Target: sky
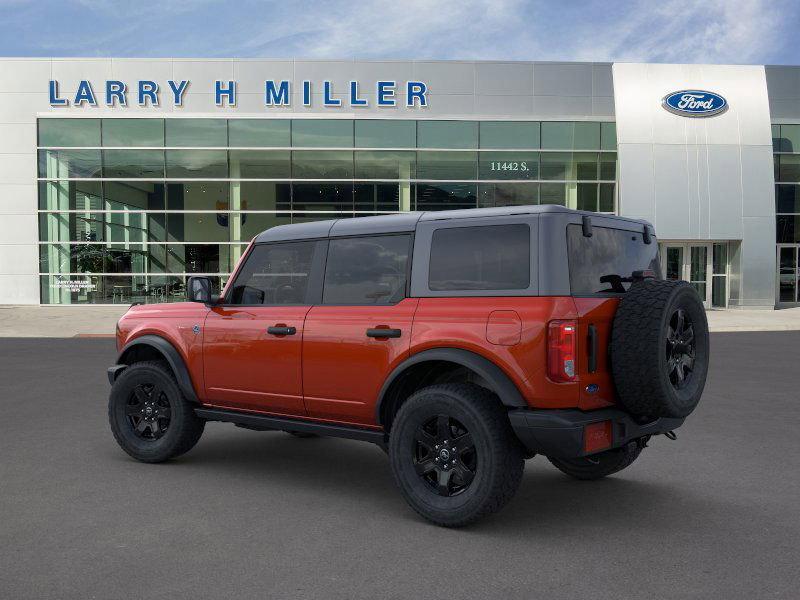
x: 679, y: 31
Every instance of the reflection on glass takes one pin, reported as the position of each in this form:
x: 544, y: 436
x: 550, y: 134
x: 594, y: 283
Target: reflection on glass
x: 196, y: 132
x: 508, y: 165
x: 198, y: 258
x: 787, y: 198
x: 191, y: 195
x: 513, y: 134
x: 69, y: 132
x: 197, y: 164
x: 720, y: 259
x: 447, y: 134
x: 608, y: 136
x: 62, y: 164
x: 321, y: 164
x: 258, y: 133
x: 587, y: 196
x: 446, y: 165
x: 122, y: 164
x: 70, y: 195
x: 446, y: 196
x: 697, y: 269
x: 261, y: 195
x: 385, y: 133
x: 198, y: 227
x: 606, y: 198
x: 673, y: 265
x: 507, y: 194
x: 553, y: 193
x: 556, y: 165
x: 260, y: 164
x: 133, y: 132
x: 329, y: 197
x: 322, y: 133
x: 382, y: 197
x: 133, y: 195
x: 385, y: 165
x: 789, y: 170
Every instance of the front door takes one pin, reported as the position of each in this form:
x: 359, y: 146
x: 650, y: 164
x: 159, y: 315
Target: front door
x: 362, y: 329
x: 253, y: 340
x: 689, y: 262
x: 788, y: 275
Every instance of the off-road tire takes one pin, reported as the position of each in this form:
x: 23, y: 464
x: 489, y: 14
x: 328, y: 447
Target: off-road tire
x: 641, y: 350
x: 497, y: 454
x: 599, y: 465
x: 184, y: 427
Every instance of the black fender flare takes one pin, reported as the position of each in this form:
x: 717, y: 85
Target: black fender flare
x: 501, y: 384
x: 170, y: 354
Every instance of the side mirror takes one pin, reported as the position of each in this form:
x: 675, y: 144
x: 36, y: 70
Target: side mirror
x: 198, y: 289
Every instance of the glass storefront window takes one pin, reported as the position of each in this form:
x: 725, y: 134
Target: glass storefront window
x: 133, y: 132
x: 788, y: 138
x: 198, y: 258
x: 68, y: 164
x: 513, y: 135
x: 199, y: 227
x: 200, y: 164
x: 585, y: 166
x: 126, y: 164
x: 69, y: 132
x: 385, y: 165
x: 70, y: 195
x: 608, y: 166
x: 260, y: 164
x: 261, y: 195
x: 322, y: 164
x: 606, y: 198
x: 322, y: 133
x: 251, y: 224
x: 788, y: 229
x: 608, y: 136
x: 259, y: 133
x: 787, y: 198
x: 556, y: 165
x: 553, y: 193
x: 447, y: 134
x: 447, y: 165
x: 133, y: 195
x: 198, y: 196
x: 508, y: 165
x: 327, y: 197
x: 507, y: 194
x: 446, y: 196
x: 587, y: 197
x: 382, y: 197
x: 196, y: 132
x: 789, y: 168
x: 568, y: 135
x: 385, y: 133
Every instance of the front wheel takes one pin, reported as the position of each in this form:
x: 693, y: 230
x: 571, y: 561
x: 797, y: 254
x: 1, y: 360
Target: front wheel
x: 149, y: 417
x: 454, y: 455
x: 599, y: 465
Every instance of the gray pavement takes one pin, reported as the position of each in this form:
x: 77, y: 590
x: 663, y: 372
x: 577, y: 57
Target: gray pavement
x: 265, y: 515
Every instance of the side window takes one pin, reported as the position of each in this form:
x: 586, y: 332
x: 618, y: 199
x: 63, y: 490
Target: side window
x: 595, y: 262
x: 490, y: 257
x: 366, y: 270
x: 274, y: 274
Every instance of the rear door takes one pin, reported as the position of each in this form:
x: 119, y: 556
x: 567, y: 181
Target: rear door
x: 362, y: 329
x: 253, y: 340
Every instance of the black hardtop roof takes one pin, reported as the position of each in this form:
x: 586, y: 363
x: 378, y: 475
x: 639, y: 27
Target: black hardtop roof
x: 405, y: 222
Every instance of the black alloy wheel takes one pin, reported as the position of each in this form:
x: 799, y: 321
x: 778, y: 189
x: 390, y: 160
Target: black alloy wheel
x: 148, y: 411
x: 444, y: 455
x: 680, y: 349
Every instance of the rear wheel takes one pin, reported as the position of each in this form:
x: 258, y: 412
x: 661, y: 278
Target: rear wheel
x: 149, y: 417
x: 453, y: 454
x: 599, y: 465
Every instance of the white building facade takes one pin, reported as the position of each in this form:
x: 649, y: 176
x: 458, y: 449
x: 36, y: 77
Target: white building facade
x: 121, y: 177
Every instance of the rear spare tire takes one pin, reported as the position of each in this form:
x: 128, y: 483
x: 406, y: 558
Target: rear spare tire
x: 659, y: 348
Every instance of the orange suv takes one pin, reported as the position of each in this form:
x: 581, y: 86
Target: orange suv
x: 461, y: 342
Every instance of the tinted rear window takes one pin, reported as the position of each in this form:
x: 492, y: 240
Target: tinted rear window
x: 493, y: 257
x: 607, y: 252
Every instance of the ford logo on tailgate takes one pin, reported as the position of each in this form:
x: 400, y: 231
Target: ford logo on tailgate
x: 695, y: 103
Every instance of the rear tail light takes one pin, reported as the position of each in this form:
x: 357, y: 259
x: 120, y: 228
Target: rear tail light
x: 597, y: 437
x: 561, y: 346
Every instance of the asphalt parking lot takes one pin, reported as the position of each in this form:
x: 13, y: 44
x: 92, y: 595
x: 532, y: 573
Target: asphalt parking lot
x: 245, y: 514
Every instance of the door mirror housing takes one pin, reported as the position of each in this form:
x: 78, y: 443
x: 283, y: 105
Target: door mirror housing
x: 198, y: 289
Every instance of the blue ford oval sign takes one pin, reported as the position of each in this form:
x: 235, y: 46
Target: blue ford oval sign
x: 695, y: 103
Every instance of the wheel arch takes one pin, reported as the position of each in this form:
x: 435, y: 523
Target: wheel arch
x: 154, y: 347
x: 423, y: 368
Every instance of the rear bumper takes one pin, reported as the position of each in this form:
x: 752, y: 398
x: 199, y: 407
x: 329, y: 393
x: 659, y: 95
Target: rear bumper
x: 559, y: 432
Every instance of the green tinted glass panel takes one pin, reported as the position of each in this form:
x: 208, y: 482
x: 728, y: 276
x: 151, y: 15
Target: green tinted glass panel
x: 133, y: 164
x: 776, y: 138
x: 133, y: 195
x: 608, y: 166
x: 196, y: 132
x: 331, y: 198
x: 70, y: 195
x: 69, y: 132
x: 382, y: 197
x: 133, y: 132
x: 789, y: 170
x: 73, y: 227
x: 260, y: 164
x: 508, y: 165
x: 608, y: 136
x: 321, y: 164
x: 787, y: 198
x: 198, y: 258
x: 606, y: 197
x: 446, y: 196
x: 322, y: 133
x: 258, y: 133
x: 385, y: 133
x: 553, y: 193
x: 507, y: 194
x: 197, y: 163
x: 557, y: 135
x: 446, y: 165
x: 198, y: 195
x: 788, y: 229
x: 587, y: 136
x: 585, y: 166
x: 505, y: 134
x: 262, y: 195
x: 385, y: 164
x: 587, y: 196
x: 62, y: 164
x: 556, y: 165
x: 720, y: 259
x: 790, y: 138
x: 447, y: 134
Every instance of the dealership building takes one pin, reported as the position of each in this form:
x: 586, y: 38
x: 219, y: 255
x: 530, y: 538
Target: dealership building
x: 121, y: 177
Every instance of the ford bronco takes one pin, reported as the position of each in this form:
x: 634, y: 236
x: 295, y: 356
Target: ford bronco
x: 461, y: 342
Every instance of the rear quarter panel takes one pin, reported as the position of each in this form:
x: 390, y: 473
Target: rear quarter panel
x: 462, y: 323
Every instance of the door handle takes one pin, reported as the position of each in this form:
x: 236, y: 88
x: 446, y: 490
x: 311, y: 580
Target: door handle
x: 383, y: 332
x: 281, y: 330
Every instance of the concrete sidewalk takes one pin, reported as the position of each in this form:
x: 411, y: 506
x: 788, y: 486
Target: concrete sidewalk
x: 71, y: 321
